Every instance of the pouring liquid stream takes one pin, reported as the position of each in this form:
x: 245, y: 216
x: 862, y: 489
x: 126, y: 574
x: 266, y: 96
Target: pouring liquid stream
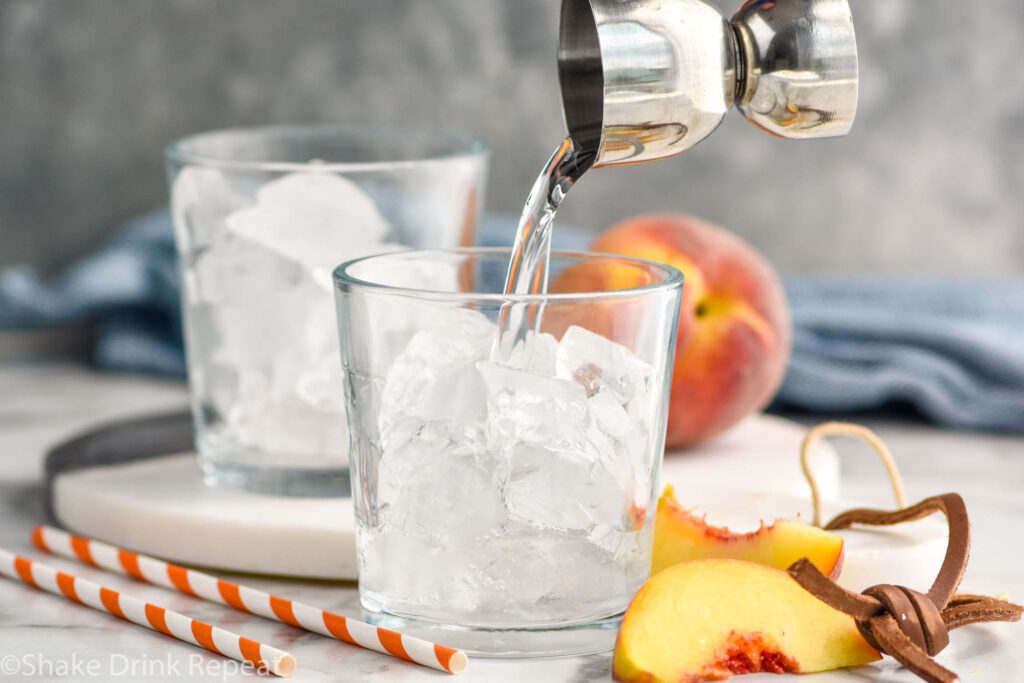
x: 528, y: 268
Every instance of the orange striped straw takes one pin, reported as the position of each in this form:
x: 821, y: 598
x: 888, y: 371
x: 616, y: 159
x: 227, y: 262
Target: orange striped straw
x: 219, y: 641
x: 210, y: 588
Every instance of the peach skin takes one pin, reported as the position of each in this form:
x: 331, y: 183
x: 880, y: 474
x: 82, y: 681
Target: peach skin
x: 734, y: 326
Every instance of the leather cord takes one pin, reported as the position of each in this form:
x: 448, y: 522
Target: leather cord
x: 911, y: 627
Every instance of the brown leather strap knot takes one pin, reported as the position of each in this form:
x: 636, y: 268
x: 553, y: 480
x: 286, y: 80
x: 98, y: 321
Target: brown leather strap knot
x: 915, y: 615
x: 910, y: 626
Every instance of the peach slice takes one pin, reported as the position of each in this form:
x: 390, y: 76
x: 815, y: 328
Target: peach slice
x: 681, y: 535
x: 705, y: 620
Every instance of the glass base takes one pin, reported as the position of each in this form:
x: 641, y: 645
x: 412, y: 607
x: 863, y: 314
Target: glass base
x: 540, y: 641
x: 278, y: 481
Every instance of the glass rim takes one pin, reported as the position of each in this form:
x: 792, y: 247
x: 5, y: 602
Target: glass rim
x: 672, y: 278
x: 460, y: 146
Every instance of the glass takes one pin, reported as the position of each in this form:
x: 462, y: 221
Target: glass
x: 262, y: 216
x: 505, y: 506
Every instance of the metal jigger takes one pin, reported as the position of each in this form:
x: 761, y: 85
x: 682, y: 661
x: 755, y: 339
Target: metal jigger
x: 647, y: 79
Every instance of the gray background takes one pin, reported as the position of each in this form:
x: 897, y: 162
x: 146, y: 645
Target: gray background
x: 929, y: 181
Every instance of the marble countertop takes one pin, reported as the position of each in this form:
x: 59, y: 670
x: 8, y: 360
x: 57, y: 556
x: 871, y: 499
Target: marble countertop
x: 46, y: 638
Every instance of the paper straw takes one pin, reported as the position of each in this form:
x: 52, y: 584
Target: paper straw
x: 151, y: 616
x: 210, y: 588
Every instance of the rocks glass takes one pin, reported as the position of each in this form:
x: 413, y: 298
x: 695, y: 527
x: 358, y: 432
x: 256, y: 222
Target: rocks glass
x: 262, y: 216
x: 505, y: 505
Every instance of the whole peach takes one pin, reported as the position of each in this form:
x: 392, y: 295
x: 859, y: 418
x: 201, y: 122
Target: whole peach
x: 734, y: 327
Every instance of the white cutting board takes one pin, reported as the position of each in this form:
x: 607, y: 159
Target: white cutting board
x: 161, y: 507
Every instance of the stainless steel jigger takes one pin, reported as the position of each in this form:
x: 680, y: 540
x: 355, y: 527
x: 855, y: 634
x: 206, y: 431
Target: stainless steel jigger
x: 647, y: 79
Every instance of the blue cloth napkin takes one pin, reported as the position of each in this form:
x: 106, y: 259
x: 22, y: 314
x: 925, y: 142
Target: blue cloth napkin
x: 953, y: 350
x: 129, y: 289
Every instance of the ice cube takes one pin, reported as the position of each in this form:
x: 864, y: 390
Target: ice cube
x: 564, y: 488
x: 628, y: 432
x: 292, y: 337
x: 435, y: 377
x: 535, y: 353
x: 289, y: 427
x: 304, y: 425
x: 599, y: 364
x: 433, y: 483
x: 265, y: 284
x: 630, y: 438
x: 392, y: 327
x: 201, y: 201
x: 620, y: 541
x: 289, y: 394
x: 321, y: 385
x: 311, y: 356
x: 314, y: 218
x: 563, y: 472
x: 526, y: 407
x: 267, y: 324
x: 503, y: 502
x: 416, y: 574
x: 525, y: 577
x: 233, y: 269
x: 325, y: 277
x: 435, y: 475
x: 611, y: 417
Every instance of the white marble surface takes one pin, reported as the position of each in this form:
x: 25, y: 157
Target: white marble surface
x: 161, y: 507
x: 48, y: 638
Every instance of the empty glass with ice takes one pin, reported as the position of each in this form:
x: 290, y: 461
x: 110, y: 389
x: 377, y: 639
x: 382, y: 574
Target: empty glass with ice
x: 261, y: 218
x: 504, y: 496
